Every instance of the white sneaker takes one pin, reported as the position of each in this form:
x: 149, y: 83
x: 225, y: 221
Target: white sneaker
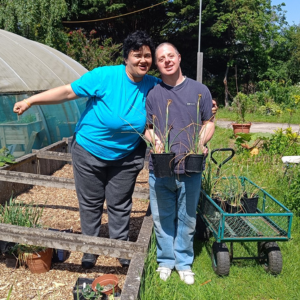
x: 164, y: 273
x: 187, y: 276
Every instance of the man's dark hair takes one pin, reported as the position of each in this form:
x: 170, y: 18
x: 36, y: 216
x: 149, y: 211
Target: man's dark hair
x: 135, y: 41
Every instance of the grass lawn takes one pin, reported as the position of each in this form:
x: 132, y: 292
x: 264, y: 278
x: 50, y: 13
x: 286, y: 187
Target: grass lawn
x: 247, y: 279
x: 285, y: 117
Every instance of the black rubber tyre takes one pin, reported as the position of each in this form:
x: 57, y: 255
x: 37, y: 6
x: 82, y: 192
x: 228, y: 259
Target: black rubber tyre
x: 202, y: 231
x: 220, y: 259
x: 270, y: 257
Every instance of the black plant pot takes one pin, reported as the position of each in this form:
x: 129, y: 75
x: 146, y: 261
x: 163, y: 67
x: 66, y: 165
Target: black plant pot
x: 79, y: 286
x: 194, y: 163
x: 11, y: 261
x: 250, y: 204
x: 163, y: 164
x: 221, y: 203
x: 234, y: 209
x: 6, y: 246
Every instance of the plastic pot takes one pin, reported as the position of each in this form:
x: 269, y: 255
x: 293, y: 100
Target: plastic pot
x: 163, y: 164
x: 250, y: 204
x: 194, y: 163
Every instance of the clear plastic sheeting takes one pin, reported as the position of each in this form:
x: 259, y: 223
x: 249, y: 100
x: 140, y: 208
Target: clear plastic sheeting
x: 28, y: 66
x: 39, y: 126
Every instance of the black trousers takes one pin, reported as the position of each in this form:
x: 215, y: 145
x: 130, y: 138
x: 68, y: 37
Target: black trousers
x: 96, y: 180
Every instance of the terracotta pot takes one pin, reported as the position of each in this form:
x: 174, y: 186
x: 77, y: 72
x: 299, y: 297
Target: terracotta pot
x: 105, y: 280
x: 40, y: 262
x: 243, y: 128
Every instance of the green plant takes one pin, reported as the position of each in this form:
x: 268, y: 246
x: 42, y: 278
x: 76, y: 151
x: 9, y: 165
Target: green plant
x: 292, y: 192
x: 88, y: 293
x: 27, y: 119
x: 198, y: 130
x: 270, y: 109
x: 240, y: 105
x: 230, y: 189
x: 246, y: 141
x: 164, y: 136
x: 25, y: 252
x: 6, y: 157
x: 283, y: 142
x: 20, y: 214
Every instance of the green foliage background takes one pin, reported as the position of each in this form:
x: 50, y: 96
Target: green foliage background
x: 242, y: 41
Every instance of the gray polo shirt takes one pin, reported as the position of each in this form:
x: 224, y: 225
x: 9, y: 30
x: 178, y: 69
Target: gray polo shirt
x: 182, y: 115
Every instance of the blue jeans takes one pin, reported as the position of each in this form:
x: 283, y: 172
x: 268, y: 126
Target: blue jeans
x: 173, y: 202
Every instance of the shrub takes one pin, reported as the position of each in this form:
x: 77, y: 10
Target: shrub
x: 89, y: 51
x: 292, y: 192
x: 283, y: 142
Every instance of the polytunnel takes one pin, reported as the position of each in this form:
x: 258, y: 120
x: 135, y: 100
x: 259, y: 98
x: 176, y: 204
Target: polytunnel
x: 26, y: 68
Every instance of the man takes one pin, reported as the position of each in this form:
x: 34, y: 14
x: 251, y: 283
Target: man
x: 174, y: 199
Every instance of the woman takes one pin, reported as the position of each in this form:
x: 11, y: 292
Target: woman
x: 107, y: 153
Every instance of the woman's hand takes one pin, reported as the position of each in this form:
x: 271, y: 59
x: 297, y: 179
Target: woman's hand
x: 20, y: 107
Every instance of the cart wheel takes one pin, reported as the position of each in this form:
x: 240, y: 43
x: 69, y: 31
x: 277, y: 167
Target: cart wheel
x: 220, y: 259
x: 270, y: 257
x: 202, y: 231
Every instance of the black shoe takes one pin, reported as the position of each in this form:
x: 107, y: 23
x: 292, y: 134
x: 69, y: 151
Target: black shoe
x: 124, y: 262
x: 88, y: 260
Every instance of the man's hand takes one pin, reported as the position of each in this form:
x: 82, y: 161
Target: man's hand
x: 214, y: 107
x: 20, y: 107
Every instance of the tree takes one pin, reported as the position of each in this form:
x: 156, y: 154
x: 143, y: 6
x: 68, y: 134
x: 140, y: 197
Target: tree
x: 236, y: 39
x: 38, y: 20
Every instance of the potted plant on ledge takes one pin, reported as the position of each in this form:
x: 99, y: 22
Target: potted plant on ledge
x: 240, y: 105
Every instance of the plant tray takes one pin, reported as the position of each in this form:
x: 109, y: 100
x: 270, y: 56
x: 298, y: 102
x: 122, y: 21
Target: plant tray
x: 272, y: 221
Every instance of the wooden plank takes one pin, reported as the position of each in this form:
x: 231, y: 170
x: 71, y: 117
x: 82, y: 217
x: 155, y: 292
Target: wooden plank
x: 56, y: 182
x: 70, y: 241
x: 54, y: 155
x: 146, y: 229
x: 132, y: 282
x: 36, y: 179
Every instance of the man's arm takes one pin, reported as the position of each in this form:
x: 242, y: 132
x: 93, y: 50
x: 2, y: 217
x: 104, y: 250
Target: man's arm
x: 206, y: 133
x: 52, y: 96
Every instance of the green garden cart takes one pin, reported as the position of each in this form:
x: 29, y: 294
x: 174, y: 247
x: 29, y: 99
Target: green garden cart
x: 265, y: 223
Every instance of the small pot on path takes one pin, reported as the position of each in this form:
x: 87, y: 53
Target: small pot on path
x: 241, y: 128
x: 40, y: 262
x: 109, y: 282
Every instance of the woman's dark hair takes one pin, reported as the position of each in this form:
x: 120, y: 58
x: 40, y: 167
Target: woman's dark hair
x: 135, y: 41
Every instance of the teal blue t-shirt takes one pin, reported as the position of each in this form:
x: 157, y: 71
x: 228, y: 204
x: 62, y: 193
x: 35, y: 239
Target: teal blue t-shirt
x: 115, y: 113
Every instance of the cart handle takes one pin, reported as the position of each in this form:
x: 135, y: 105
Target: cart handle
x: 225, y: 161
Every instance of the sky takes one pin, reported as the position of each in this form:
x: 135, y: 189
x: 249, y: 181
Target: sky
x: 292, y: 8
